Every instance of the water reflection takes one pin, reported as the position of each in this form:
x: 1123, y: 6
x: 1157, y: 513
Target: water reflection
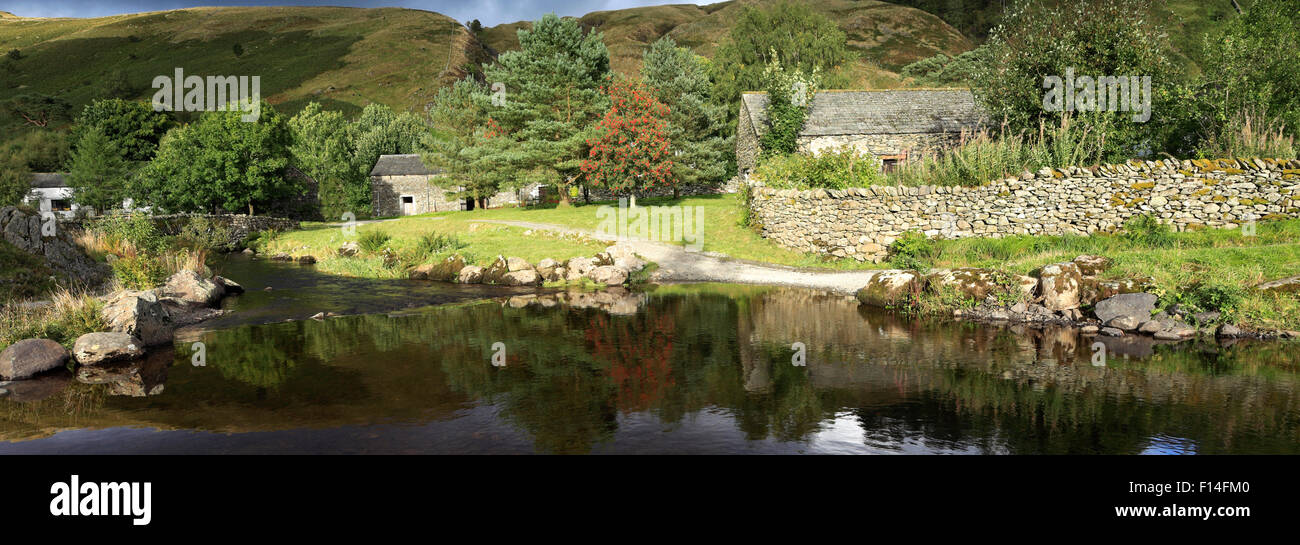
x: 678, y: 369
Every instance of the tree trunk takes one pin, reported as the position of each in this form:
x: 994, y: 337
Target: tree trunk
x: 250, y: 208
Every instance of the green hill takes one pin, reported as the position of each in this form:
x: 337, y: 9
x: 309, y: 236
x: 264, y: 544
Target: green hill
x: 886, y: 36
x: 342, y: 57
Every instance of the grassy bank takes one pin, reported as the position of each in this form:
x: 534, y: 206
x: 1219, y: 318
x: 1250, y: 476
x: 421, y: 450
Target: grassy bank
x: 1209, y: 268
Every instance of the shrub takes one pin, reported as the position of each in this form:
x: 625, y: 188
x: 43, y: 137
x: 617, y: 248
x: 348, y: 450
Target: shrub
x: 831, y: 169
x: 203, y: 233
x: 373, y: 241
x: 139, y: 272
x: 982, y: 156
x: 912, y: 250
x: 130, y: 230
x: 1146, y: 230
x: 1206, y: 296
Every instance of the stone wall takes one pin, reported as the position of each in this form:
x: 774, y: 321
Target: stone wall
x: 861, y: 223
x: 236, y: 227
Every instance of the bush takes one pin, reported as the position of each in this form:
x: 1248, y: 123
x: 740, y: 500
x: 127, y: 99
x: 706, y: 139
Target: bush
x: 1249, y: 134
x: 139, y: 272
x: 912, y: 250
x: 70, y: 316
x: 1146, y: 230
x: 831, y: 169
x: 1206, y: 296
x: 983, y: 156
x: 203, y: 233
x: 136, y: 231
x: 373, y: 241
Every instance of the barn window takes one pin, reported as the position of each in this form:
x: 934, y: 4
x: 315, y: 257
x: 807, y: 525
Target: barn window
x: 890, y: 163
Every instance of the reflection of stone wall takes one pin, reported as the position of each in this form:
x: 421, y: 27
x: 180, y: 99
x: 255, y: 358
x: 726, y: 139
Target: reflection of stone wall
x: 861, y: 223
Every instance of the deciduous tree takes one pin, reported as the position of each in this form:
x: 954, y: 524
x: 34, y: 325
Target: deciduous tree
x: 630, y: 152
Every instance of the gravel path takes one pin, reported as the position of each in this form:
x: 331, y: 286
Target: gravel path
x: 678, y: 265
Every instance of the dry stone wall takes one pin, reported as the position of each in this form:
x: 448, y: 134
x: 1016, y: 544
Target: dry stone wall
x: 861, y: 223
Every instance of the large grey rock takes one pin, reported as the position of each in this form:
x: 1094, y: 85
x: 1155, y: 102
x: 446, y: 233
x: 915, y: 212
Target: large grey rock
x: 548, y: 270
x: 515, y: 264
x: 496, y: 272
x: 526, y: 277
x: 141, y: 314
x: 349, y: 249
x: 608, y: 275
x: 29, y: 357
x: 1230, y: 331
x: 1125, y: 304
x: 190, y: 287
x: 60, y: 251
x: 1058, y: 284
x: 106, y: 347
x: 230, y: 286
x: 974, y: 283
x: 1126, y: 323
x: 578, y: 267
x: 1091, y: 265
x: 447, y: 270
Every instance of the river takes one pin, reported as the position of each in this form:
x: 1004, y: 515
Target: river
x: 418, y: 367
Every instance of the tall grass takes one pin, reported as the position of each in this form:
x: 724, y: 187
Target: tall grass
x: 1250, y: 134
x: 70, y: 315
x: 983, y: 156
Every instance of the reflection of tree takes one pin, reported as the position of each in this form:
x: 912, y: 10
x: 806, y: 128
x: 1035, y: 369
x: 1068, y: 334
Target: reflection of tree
x: 253, y: 355
x: 639, y: 352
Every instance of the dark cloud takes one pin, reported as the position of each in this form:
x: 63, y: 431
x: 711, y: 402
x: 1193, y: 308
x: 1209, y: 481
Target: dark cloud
x: 489, y: 12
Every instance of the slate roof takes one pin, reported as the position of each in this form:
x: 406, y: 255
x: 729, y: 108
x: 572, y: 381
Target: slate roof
x: 885, y: 111
x: 401, y: 165
x: 48, y: 180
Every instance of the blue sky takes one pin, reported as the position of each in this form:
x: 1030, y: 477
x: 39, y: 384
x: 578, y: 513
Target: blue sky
x: 489, y: 12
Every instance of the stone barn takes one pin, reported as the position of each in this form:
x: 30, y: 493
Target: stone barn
x: 400, y: 185
x: 892, y: 124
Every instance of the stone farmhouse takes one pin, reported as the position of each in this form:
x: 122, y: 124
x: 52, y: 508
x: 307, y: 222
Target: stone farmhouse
x: 400, y: 185
x: 892, y: 124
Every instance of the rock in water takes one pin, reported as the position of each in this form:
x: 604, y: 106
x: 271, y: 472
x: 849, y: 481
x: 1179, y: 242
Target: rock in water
x: 29, y: 357
x: 141, y: 314
x: 472, y: 274
x: 889, y: 288
x: 188, y: 286
x: 230, y: 286
x: 108, y: 347
x: 1126, y: 304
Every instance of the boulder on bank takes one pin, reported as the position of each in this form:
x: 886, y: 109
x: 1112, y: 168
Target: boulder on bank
x: 1093, y: 289
x: 496, y: 272
x: 141, y: 314
x: 547, y: 269
x: 608, y: 275
x: 1058, y: 284
x: 281, y: 257
x: 1091, y: 265
x: 106, y: 347
x: 471, y: 274
x: 29, y: 357
x: 447, y: 270
x: 516, y: 264
x: 349, y: 249
x: 307, y: 260
x: 190, y: 287
x: 578, y: 267
x: 526, y: 277
x: 969, y: 281
x: 1137, y: 305
x: 890, y: 288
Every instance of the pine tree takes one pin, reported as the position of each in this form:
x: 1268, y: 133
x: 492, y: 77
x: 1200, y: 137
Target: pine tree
x: 697, y: 126
x: 98, y: 172
x: 550, y: 96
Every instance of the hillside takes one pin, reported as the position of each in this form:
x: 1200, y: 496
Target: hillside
x: 342, y: 57
x: 886, y: 36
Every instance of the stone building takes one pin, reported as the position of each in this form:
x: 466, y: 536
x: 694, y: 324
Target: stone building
x: 400, y: 185
x: 892, y: 124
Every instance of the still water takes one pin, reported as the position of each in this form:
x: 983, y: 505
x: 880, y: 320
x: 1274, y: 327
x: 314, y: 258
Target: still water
x: 414, y: 367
